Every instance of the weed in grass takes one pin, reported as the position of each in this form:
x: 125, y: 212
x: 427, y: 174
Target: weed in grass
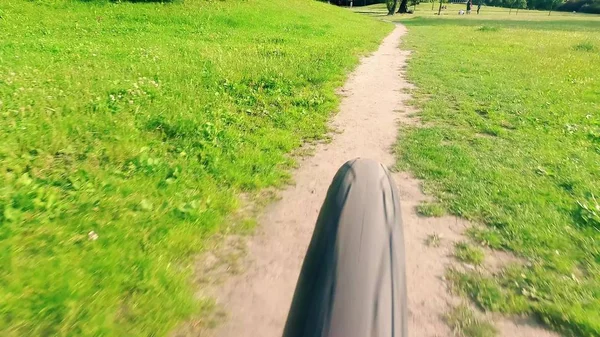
x: 488, y: 29
x: 431, y: 209
x: 585, y: 46
x: 465, y: 323
x: 588, y: 212
x: 487, y: 292
x: 468, y: 253
x: 433, y: 240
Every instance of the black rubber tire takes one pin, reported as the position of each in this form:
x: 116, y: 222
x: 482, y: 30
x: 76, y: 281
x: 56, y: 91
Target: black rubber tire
x: 352, y: 282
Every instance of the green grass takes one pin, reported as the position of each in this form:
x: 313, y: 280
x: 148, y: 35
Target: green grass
x: 488, y: 29
x: 586, y: 46
x: 511, y: 139
x: 143, y: 123
x: 468, y: 253
x: 431, y: 209
x: 464, y: 323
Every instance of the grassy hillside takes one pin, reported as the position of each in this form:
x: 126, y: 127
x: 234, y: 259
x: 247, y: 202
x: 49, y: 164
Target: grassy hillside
x: 512, y: 140
x: 127, y: 133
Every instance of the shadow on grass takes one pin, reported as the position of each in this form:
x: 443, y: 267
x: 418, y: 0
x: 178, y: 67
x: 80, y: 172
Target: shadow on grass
x: 371, y: 13
x: 556, y: 25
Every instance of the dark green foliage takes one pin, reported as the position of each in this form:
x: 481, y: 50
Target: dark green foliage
x: 591, y: 8
x: 573, y: 6
x: 586, y: 46
x: 588, y: 213
x: 391, y: 6
x: 544, y: 4
x: 488, y: 29
x: 583, y: 6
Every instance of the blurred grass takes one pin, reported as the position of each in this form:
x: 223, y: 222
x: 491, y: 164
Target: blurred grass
x: 511, y: 139
x: 431, y: 209
x: 142, y: 123
x: 465, y: 323
x: 468, y: 253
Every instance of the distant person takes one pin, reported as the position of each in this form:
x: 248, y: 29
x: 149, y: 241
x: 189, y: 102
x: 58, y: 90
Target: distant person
x: 469, y: 4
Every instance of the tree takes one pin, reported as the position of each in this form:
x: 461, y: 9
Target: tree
x: 403, y: 7
x: 510, y: 4
x: 520, y: 4
x: 440, y: 10
x: 554, y: 4
x: 414, y: 3
x: 391, y: 6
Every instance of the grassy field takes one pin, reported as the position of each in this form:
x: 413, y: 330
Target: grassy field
x: 511, y: 139
x: 127, y: 133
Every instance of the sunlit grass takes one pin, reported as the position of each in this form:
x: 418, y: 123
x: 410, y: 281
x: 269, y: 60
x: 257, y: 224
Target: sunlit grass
x: 127, y: 132
x: 511, y: 140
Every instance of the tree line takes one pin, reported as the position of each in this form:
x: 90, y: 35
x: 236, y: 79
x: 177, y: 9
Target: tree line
x: 402, y: 6
x: 584, y: 6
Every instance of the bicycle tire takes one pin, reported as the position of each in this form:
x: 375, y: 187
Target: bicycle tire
x: 352, y: 282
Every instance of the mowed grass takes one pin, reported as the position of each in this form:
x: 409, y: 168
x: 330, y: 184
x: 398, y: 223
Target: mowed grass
x: 511, y: 139
x: 127, y: 133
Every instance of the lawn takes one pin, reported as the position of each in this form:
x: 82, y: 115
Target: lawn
x: 510, y: 106
x: 127, y: 133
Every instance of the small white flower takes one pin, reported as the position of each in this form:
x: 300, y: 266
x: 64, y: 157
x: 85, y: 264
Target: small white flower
x: 92, y: 236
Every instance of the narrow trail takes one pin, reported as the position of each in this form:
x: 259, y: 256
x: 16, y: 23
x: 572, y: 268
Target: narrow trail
x: 257, y: 300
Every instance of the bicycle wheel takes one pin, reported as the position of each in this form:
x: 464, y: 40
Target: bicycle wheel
x: 352, y: 282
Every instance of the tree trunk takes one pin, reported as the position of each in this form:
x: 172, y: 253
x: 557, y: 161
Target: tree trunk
x: 403, y: 7
x: 510, y: 11
x: 432, y: 4
x: 440, y: 10
x: 391, y: 6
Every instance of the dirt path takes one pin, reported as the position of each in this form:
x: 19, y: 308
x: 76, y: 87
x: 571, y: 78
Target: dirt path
x: 257, y: 301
